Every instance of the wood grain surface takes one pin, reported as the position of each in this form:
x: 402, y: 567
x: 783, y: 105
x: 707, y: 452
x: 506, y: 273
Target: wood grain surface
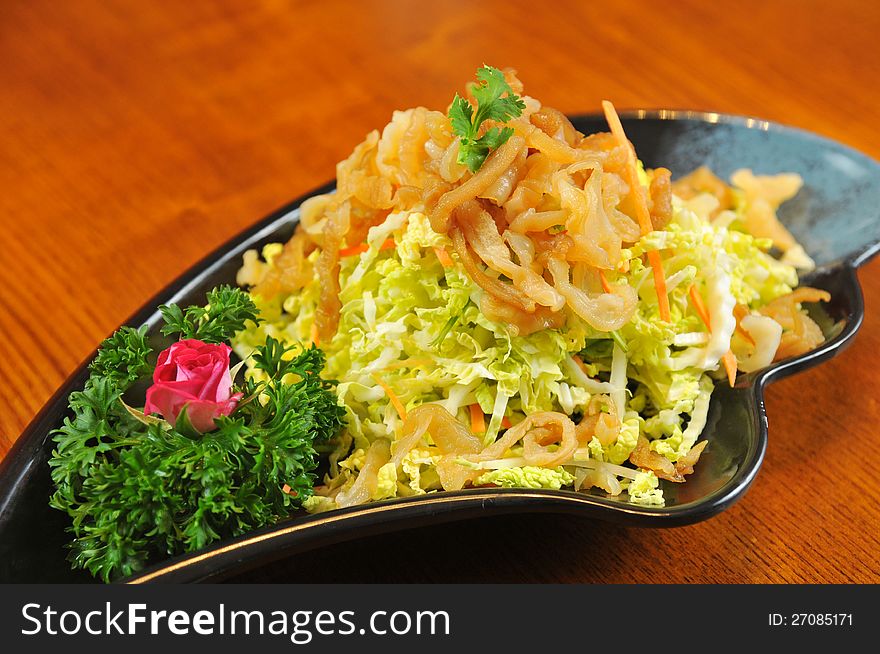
x: 136, y: 137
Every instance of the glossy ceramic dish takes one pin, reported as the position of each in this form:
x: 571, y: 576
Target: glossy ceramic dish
x: 835, y: 217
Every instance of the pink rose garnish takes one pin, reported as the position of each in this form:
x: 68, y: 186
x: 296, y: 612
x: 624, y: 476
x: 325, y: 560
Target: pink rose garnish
x: 192, y: 375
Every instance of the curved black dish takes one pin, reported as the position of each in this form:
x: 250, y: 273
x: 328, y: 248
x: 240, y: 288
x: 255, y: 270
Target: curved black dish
x: 835, y: 217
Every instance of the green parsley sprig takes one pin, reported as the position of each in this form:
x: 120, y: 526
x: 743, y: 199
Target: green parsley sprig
x: 227, y: 312
x: 138, y: 491
x: 496, y: 101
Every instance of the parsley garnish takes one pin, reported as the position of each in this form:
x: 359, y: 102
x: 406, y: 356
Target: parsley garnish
x: 490, y: 106
x: 227, y: 312
x: 139, y: 492
x: 123, y: 356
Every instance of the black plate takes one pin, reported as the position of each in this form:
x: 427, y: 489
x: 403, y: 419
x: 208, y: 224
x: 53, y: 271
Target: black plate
x: 835, y: 217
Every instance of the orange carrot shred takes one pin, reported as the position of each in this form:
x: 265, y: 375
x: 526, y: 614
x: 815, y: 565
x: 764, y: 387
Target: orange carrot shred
x: 353, y: 250
x: 478, y: 420
x: 730, y: 366
x: 388, y: 244
x: 392, y: 396
x: 642, y: 214
x: 729, y: 360
x: 287, y: 490
x: 745, y: 334
x: 444, y: 257
x: 605, y: 285
x: 580, y: 364
x: 660, y: 285
x: 739, y: 312
x: 699, y: 307
x: 314, y: 335
x: 505, y: 423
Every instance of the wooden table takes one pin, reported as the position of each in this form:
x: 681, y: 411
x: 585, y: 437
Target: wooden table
x: 137, y: 137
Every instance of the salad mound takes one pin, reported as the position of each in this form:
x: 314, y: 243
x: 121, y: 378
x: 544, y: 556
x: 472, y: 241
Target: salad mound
x: 505, y: 301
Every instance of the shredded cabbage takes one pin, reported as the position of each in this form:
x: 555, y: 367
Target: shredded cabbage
x: 644, y: 490
x: 527, y: 477
x: 417, y: 325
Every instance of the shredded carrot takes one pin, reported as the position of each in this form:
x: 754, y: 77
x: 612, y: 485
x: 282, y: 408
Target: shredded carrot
x: 353, y: 250
x: 739, y: 312
x: 478, y: 420
x: 660, y: 285
x: 287, y: 490
x: 388, y: 244
x: 642, y: 214
x: 580, y: 364
x: 314, y: 335
x: 605, y: 285
x: 444, y: 257
x: 505, y: 423
x: 392, y: 396
x: 745, y: 334
x: 729, y: 360
x: 697, y: 302
x: 730, y: 366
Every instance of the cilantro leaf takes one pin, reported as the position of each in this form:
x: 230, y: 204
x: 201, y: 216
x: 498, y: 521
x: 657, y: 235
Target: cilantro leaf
x: 466, y: 123
x: 488, y: 96
x: 461, y: 114
x: 473, y: 155
x: 494, y: 137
